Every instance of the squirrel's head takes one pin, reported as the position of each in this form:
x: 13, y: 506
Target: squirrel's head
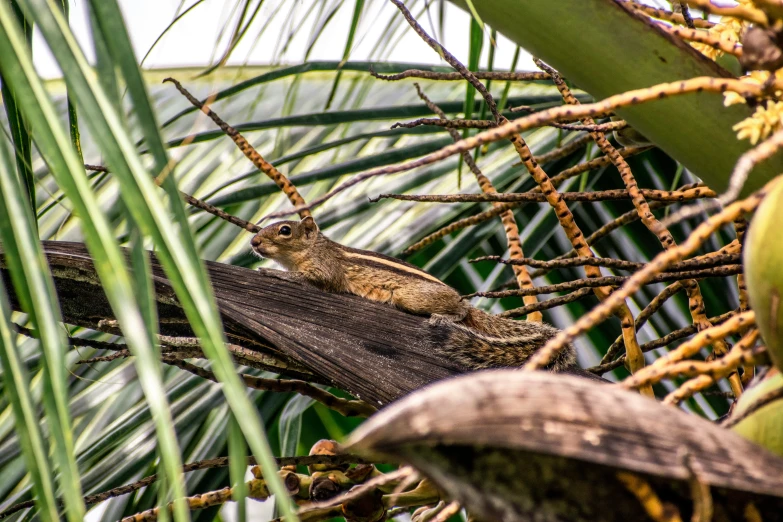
x: 285, y: 241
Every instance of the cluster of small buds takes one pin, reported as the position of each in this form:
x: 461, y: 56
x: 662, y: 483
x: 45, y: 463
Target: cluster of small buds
x: 316, y: 492
x: 728, y: 30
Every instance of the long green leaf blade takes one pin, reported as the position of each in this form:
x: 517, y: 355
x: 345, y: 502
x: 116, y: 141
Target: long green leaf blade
x: 69, y: 172
x: 31, y: 279
x: 357, y: 14
x: 20, y: 133
x: 17, y: 381
x: 176, y: 247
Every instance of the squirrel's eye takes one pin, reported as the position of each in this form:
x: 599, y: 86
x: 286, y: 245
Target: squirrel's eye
x: 285, y: 230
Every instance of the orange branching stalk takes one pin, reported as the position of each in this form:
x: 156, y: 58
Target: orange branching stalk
x: 727, y: 252
x: 661, y: 342
x: 250, y: 153
x: 576, y: 237
x: 506, y: 217
x: 742, y: 354
x: 656, y: 266
x: 711, y: 43
x: 557, y: 179
x: 454, y: 76
x: 695, y: 299
x: 507, y: 129
x: 690, y: 348
x: 744, y: 12
x: 669, y: 16
x: 742, y: 170
x: 740, y: 228
x: 655, y: 304
x: 516, y: 198
x: 648, y: 498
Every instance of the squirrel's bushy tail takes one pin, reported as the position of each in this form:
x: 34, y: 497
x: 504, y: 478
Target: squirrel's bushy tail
x: 483, y: 341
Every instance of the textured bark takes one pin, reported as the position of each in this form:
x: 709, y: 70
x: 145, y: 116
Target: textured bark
x: 516, y: 445
x: 368, y: 349
x: 371, y: 350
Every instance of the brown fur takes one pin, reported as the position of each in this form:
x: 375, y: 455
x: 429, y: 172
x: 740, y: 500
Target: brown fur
x: 476, y: 339
x: 487, y: 341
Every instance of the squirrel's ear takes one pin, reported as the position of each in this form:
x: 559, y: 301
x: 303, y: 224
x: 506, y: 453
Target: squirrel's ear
x: 309, y: 226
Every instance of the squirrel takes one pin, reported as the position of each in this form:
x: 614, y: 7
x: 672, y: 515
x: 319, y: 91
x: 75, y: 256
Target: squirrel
x: 477, y: 340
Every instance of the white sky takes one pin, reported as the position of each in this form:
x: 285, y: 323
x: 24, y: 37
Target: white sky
x: 196, y: 38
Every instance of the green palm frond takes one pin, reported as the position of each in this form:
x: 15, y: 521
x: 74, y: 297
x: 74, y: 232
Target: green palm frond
x: 320, y: 122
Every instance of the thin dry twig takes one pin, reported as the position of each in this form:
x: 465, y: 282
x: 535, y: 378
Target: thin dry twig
x: 605, y: 230
x: 203, y: 205
x: 219, y: 462
x: 507, y: 217
x: 657, y: 265
x: 450, y: 58
x: 357, y: 491
x: 445, y: 123
x: 682, y: 8
x: 745, y: 164
x: 596, y: 282
x: 250, y: 153
x: 765, y: 400
x: 454, y: 76
x: 608, y: 126
x: 601, y: 161
x: 741, y: 354
x: 565, y: 150
x: 346, y: 407
x: 547, y: 304
x: 661, y: 342
x: 707, y: 262
x: 508, y: 129
x: 663, y: 14
x: 537, y: 197
x: 556, y: 180
x: 744, y: 12
x: 647, y: 497
x: 194, y: 502
x: 487, y: 124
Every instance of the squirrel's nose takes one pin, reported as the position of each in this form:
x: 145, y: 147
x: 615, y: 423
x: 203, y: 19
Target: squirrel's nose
x: 255, y: 241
